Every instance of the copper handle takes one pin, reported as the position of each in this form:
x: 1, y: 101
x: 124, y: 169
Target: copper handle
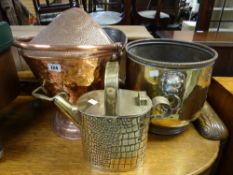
x: 23, y: 44
x: 84, y: 55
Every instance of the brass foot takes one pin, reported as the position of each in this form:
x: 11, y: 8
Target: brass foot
x: 209, y: 125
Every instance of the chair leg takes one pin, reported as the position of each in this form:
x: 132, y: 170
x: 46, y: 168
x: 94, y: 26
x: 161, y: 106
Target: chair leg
x: 1, y: 151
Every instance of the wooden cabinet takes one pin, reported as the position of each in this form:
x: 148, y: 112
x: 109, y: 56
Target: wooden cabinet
x: 222, y: 16
x: 215, y: 15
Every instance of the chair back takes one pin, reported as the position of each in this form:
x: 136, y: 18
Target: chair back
x: 103, y: 5
x: 162, y: 7
x: 107, y: 12
x: 47, y: 10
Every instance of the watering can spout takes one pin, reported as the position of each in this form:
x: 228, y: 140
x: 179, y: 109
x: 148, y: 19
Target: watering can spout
x: 70, y: 111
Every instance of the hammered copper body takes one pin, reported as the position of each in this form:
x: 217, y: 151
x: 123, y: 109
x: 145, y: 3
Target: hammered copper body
x: 69, y: 55
x: 78, y: 46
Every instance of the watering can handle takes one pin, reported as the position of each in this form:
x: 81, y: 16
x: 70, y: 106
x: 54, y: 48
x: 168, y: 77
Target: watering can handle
x: 111, y: 84
x: 35, y: 93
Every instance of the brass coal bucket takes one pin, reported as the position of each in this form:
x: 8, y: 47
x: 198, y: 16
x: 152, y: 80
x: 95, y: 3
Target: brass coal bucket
x: 178, y: 70
x: 113, y: 122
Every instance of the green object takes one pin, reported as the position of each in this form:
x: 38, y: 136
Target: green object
x: 6, y: 37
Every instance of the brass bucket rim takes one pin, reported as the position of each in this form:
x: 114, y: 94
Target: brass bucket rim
x: 173, y: 65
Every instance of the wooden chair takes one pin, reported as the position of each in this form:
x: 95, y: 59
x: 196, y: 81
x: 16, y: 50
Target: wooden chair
x: 106, y: 12
x: 157, y: 14
x: 46, y: 10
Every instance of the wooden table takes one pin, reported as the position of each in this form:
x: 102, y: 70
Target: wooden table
x: 209, y: 38
x: 221, y: 99
x: 222, y: 42
x: 226, y: 82
x: 132, y: 32
x: 31, y: 147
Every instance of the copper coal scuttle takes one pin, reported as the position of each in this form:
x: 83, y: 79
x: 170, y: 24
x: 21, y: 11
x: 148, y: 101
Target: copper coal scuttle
x: 70, y: 55
x: 78, y: 66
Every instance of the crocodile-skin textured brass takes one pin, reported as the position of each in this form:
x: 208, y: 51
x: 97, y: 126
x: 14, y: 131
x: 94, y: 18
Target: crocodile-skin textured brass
x: 209, y: 125
x: 118, y: 142
x: 115, y: 144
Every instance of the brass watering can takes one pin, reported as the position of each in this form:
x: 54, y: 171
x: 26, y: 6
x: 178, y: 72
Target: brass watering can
x: 113, y: 122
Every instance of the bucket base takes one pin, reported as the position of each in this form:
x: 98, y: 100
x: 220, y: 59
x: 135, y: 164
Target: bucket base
x: 65, y: 128
x: 160, y: 130
x: 169, y: 126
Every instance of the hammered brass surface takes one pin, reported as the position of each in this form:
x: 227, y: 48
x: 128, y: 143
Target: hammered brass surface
x: 32, y: 148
